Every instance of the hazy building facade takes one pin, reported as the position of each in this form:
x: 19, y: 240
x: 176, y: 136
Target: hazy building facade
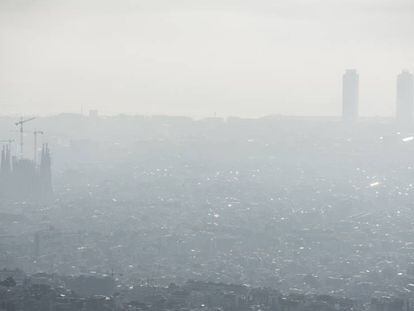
x: 405, y: 98
x: 22, y: 180
x: 350, y: 95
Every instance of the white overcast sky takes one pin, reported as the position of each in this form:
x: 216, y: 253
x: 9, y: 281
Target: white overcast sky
x: 200, y: 57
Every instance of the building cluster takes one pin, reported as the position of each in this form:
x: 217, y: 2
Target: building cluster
x: 404, y: 101
x: 52, y: 292
x: 283, y: 204
x: 318, y: 211
x: 22, y: 179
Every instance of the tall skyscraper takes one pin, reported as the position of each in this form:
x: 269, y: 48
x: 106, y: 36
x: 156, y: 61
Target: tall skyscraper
x: 405, y: 98
x: 350, y: 95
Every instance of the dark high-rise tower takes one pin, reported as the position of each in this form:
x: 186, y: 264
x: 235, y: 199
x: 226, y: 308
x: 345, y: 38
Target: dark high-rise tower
x: 350, y: 96
x: 405, y: 98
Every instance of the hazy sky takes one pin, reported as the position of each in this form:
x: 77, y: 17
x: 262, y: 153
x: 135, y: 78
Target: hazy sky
x: 200, y: 57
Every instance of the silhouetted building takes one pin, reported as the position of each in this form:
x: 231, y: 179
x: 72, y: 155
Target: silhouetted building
x: 5, y: 170
x: 5, y: 167
x: 21, y: 180
x: 45, y: 173
x: 350, y: 95
x: 405, y: 98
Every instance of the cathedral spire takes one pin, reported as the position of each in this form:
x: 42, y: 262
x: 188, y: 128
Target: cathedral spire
x: 45, y: 172
x: 5, y: 166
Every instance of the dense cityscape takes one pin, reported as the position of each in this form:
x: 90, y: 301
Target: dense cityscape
x: 172, y: 213
x: 207, y: 155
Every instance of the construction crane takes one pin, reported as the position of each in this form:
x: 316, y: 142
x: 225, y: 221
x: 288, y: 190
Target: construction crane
x: 35, y: 133
x: 20, y: 124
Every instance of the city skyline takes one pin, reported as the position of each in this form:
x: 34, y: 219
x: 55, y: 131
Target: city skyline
x: 206, y: 155
x: 201, y: 58
x: 350, y: 102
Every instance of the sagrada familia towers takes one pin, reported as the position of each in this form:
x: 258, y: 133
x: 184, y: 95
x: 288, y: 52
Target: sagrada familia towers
x: 23, y: 179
